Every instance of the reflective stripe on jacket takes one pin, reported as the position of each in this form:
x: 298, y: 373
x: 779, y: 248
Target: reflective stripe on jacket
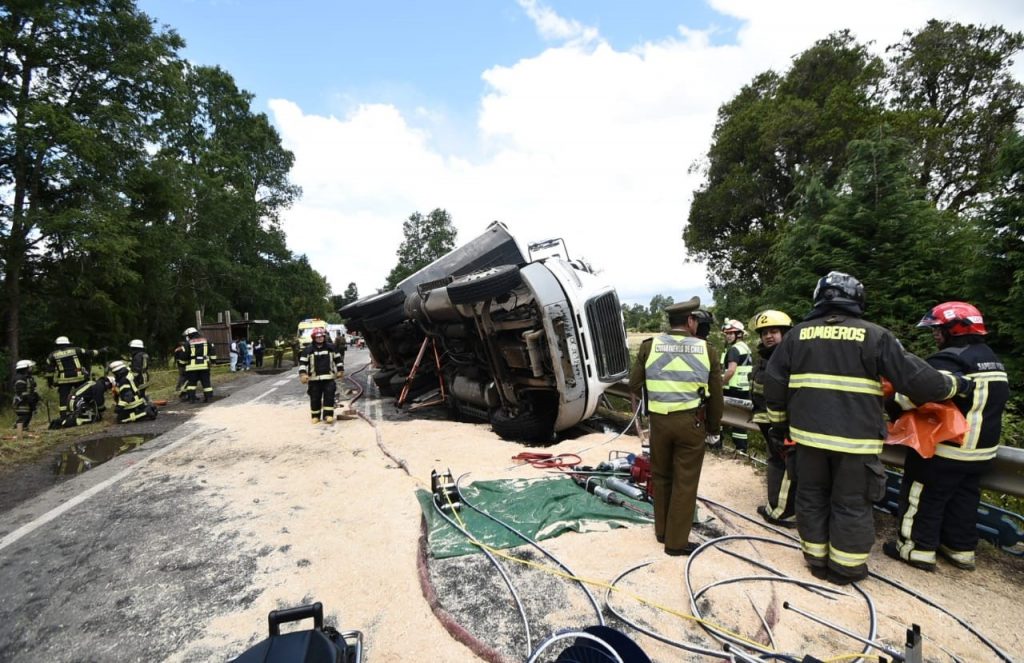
x: 128, y: 394
x: 140, y: 369
x: 65, y: 364
x: 677, y: 369
x: 199, y: 354
x: 824, y: 380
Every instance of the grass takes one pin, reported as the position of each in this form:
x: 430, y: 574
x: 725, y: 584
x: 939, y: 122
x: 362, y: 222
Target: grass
x: 39, y: 441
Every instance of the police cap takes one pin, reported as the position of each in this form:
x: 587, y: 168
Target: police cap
x: 678, y: 313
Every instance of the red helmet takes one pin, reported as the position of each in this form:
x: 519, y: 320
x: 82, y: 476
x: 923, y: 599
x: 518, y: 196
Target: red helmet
x: 957, y: 318
x: 318, y: 331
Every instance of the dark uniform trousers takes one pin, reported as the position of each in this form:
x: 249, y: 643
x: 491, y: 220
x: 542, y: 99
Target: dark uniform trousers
x: 781, y: 480
x: 321, y: 397
x: 677, y: 450
x: 64, y: 392
x: 835, y: 498
x: 939, y: 505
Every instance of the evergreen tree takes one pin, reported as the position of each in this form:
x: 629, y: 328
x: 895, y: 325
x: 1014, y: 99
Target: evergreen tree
x: 426, y: 238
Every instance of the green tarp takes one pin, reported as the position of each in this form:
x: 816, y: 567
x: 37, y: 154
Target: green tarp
x: 539, y: 508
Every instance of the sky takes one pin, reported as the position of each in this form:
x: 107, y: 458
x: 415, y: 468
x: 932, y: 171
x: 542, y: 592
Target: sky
x: 578, y: 119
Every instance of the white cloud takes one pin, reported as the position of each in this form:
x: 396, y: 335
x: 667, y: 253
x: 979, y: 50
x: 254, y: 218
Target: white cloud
x: 581, y: 141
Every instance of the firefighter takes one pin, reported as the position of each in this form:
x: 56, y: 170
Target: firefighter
x: 68, y: 368
x: 939, y: 496
x: 705, y: 319
x: 679, y: 378
x: 139, y: 365
x: 823, y: 390
x: 129, y: 403
x: 25, y: 397
x: 86, y: 405
x: 771, y: 326
x: 196, y: 356
x: 737, y: 363
x: 319, y: 365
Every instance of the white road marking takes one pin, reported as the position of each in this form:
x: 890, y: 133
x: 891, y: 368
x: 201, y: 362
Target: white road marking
x: 281, y: 383
x: 50, y: 515
x: 56, y: 512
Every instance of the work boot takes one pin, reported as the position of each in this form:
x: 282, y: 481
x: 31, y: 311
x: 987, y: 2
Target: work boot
x: 892, y: 549
x: 329, y: 419
x: 959, y: 560
x: 316, y: 420
x: 763, y: 512
x: 685, y: 550
x: 207, y: 398
x: 819, y: 572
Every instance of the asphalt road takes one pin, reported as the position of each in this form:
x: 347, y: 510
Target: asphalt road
x: 108, y: 567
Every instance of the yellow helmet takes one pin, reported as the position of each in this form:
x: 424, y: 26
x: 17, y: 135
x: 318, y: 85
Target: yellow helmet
x: 771, y: 318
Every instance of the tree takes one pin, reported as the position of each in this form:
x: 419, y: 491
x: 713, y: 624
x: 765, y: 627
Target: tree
x: 776, y: 131
x: 954, y: 98
x: 79, y: 82
x: 876, y: 224
x: 427, y: 238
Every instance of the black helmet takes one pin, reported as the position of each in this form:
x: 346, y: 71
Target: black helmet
x: 839, y: 288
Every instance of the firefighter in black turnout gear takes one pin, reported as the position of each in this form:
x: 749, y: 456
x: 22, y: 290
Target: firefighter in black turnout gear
x: 939, y: 496
x: 823, y: 390
x: 25, y: 397
x: 319, y: 365
x: 771, y: 326
x: 129, y: 404
x: 196, y: 356
x: 68, y: 368
x: 139, y: 365
x: 87, y: 404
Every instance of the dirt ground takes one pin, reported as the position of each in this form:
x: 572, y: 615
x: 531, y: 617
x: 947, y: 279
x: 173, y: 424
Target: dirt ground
x: 362, y: 554
x: 328, y: 513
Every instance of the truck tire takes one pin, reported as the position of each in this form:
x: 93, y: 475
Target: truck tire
x: 385, y: 320
x: 373, y: 305
x: 534, y: 425
x: 383, y: 381
x: 481, y: 286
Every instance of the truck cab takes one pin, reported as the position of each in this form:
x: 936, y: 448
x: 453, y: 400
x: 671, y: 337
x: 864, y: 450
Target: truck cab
x: 528, y: 344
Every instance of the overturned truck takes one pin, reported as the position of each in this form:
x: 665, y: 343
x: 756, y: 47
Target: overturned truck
x: 528, y: 342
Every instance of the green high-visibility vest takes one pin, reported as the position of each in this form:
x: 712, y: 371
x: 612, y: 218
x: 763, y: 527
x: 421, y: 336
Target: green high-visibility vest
x: 741, y: 377
x: 676, y: 370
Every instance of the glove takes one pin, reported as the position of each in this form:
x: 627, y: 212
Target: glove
x: 340, y: 375
x: 713, y: 439
x: 776, y: 441
x: 964, y: 387
x: 303, y: 378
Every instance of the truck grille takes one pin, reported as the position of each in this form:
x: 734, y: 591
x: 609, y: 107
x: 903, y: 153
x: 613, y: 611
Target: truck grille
x: 604, y: 318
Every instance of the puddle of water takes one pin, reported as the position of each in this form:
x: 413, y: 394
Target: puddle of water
x: 86, y: 455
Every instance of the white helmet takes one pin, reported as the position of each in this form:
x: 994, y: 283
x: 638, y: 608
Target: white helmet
x: 733, y: 326
x: 23, y: 364
x: 190, y: 331
x: 63, y: 340
x: 136, y: 343
x: 116, y: 366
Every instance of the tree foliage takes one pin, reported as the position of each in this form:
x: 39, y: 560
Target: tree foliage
x: 906, y: 173
x: 136, y: 188
x: 426, y: 238
x: 651, y: 318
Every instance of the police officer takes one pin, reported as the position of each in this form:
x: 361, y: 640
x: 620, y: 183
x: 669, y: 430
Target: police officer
x: 737, y: 363
x: 25, y: 397
x: 680, y: 378
x: 771, y: 326
x: 129, y: 403
x: 939, y: 496
x: 823, y: 390
x: 196, y: 355
x: 139, y: 365
x: 68, y: 368
x: 319, y: 364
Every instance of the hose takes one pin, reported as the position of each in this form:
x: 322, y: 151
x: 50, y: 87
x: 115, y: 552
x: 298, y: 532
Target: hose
x: 546, y: 553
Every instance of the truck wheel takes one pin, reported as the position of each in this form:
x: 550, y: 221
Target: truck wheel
x: 481, y: 286
x: 373, y: 305
x: 528, y: 426
x: 386, y: 319
x: 383, y: 381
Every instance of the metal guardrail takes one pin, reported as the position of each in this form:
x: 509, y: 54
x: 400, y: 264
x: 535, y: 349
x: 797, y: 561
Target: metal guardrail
x: 1006, y: 475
